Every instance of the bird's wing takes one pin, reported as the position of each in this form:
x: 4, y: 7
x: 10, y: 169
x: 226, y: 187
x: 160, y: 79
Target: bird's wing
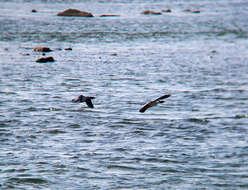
x: 89, y: 103
x: 75, y: 100
x: 163, y: 97
x: 153, y: 103
x: 148, y: 105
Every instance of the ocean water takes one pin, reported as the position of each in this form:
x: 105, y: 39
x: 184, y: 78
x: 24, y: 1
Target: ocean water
x: 196, y: 139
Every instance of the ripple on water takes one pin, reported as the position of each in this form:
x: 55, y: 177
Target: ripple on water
x: 21, y: 181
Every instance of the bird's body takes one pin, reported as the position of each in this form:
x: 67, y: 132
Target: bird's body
x: 154, y: 103
x: 86, y: 99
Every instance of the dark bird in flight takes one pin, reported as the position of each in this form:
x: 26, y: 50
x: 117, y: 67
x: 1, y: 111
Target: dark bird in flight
x: 86, y: 99
x: 154, y: 103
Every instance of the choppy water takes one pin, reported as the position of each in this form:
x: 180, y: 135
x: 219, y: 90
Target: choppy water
x: 197, y: 139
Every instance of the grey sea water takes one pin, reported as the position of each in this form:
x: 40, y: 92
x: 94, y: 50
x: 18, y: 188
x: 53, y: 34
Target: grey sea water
x: 197, y: 139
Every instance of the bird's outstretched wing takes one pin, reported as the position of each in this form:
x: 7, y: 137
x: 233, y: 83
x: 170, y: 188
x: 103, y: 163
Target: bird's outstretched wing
x: 153, y: 103
x: 75, y: 100
x: 89, y: 103
x: 148, y: 105
x: 163, y: 97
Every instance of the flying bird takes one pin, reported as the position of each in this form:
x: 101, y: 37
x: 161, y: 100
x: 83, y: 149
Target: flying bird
x: 86, y: 99
x: 154, y: 103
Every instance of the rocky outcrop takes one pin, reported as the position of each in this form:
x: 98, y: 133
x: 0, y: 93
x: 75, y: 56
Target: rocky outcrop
x: 45, y: 60
x: 42, y: 49
x: 149, y: 12
x: 75, y: 12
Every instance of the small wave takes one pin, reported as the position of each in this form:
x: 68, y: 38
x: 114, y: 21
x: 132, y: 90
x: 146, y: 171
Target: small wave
x: 240, y: 116
x: 53, y: 131
x: 197, y: 120
x: 28, y: 180
x: 121, y: 167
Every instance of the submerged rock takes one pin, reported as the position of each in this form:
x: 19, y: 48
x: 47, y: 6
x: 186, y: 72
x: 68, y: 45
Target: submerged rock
x: 110, y: 15
x: 45, y: 60
x: 42, y: 49
x: 149, y: 12
x: 75, y: 12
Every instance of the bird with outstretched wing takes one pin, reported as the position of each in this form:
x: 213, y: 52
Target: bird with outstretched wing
x: 86, y: 99
x: 154, y: 103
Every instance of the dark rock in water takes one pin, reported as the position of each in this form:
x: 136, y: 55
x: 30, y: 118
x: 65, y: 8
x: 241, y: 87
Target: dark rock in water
x: 191, y: 11
x: 114, y: 54
x: 110, y: 15
x: 187, y: 10
x: 149, y: 12
x: 68, y: 48
x: 166, y: 10
x: 34, y: 11
x: 26, y: 54
x: 74, y: 12
x: 196, y: 11
x: 42, y: 49
x: 45, y: 60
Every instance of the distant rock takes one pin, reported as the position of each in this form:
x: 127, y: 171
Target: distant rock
x: 110, y: 15
x: 26, y: 54
x: 69, y: 48
x: 166, y: 10
x: 191, y: 11
x: 196, y: 11
x: 149, y: 12
x: 75, y: 12
x: 42, y: 49
x: 45, y: 60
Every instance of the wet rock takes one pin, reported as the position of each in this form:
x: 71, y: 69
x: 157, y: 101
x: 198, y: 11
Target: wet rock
x: 149, y: 12
x: 45, y: 60
x: 68, y: 49
x: 113, y: 54
x: 34, y: 11
x: 195, y: 11
x: 166, y: 10
x: 42, y: 49
x: 74, y: 12
x: 110, y: 15
x: 26, y: 54
x: 191, y: 11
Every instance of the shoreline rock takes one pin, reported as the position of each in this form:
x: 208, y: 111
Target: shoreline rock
x: 75, y: 12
